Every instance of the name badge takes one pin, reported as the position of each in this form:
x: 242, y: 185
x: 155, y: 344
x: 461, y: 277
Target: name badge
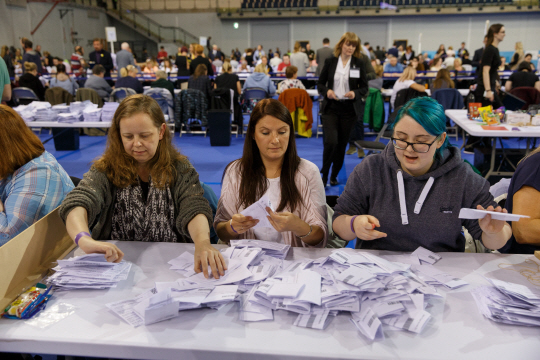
x: 355, y: 74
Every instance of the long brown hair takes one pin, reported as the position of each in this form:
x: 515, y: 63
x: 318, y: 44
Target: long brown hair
x: 120, y: 167
x: 253, y: 183
x: 349, y: 38
x: 443, y: 75
x: 18, y: 144
x: 493, y: 29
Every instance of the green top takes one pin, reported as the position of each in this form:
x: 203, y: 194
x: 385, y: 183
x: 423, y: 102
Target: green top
x: 4, y: 77
x: 165, y: 84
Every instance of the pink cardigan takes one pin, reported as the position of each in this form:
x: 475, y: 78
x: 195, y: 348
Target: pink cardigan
x: 312, y: 211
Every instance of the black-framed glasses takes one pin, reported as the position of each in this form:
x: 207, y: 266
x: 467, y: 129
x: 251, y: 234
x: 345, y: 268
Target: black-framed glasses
x: 417, y: 147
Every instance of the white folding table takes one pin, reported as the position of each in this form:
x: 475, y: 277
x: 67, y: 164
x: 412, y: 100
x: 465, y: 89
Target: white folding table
x: 456, y: 331
x: 474, y: 128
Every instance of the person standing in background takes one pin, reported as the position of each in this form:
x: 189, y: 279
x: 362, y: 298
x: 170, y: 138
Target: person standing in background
x: 103, y: 58
x: 343, y: 83
x: 78, y: 64
x: 322, y: 54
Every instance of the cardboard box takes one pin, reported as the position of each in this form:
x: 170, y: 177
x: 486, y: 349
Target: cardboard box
x: 27, y: 258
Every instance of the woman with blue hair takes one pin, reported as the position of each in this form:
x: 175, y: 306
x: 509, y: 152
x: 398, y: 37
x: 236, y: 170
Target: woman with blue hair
x: 410, y: 195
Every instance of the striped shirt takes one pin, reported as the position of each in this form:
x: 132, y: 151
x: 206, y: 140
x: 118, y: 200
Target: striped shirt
x: 30, y: 193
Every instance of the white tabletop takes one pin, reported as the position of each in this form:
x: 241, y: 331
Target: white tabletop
x: 79, y: 124
x: 389, y: 92
x: 456, y: 331
x: 474, y: 128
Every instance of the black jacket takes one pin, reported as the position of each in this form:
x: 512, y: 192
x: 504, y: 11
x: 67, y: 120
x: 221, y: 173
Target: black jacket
x: 201, y: 60
x: 359, y: 86
x: 477, y: 57
x: 105, y: 60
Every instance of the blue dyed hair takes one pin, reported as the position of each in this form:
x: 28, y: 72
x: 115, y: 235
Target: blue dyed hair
x: 429, y: 114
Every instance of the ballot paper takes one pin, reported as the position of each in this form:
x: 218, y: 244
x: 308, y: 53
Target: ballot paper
x: 125, y: 308
x: 90, y: 271
x: 508, y: 303
x: 378, y: 294
x: 426, y: 256
x: 108, y: 110
x: 480, y: 214
x: 92, y: 115
x: 257, y: 210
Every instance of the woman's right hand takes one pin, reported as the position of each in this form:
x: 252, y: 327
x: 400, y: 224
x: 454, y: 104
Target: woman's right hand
x: 241, y: 223
x: 331, y: 94
x: 90, y: 246
x: 364, y: 227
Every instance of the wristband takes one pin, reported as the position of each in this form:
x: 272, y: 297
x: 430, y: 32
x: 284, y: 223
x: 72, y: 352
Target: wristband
x: 80, y: 235
x: 352, y: 223
x: 309, y: 233
x: 230, y: 223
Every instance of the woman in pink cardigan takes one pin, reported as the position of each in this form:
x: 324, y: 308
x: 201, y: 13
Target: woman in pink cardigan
x: 270, y: 166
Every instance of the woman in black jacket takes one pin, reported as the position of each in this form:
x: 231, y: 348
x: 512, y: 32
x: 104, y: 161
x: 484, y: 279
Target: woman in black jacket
x: 30, y: 80
x: 343, y: 83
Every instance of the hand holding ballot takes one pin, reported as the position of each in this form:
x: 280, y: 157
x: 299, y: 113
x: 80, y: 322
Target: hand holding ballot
x: 286, y: 221
x: 207, y: 255
x: 239, y: 223
x: 489, y: 225
x: 90, y: 246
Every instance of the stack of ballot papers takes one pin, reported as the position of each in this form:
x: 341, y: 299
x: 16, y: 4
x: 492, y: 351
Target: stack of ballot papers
x: 28, y: 112
x: 376, y: 294
x: 92, y: 114
x: 70, y: 117
x: 45, y: 114
x: 508, y: 303
x: 90, y: 271
x: 109, y: 108
x: 79, y: 106
x: 60, y: 109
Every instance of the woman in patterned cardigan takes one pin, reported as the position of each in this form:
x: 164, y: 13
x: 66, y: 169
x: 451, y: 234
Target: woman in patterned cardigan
x: 141, y: 189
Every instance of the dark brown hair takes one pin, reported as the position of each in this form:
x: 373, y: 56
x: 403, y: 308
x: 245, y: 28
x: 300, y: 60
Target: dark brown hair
x: 119, y: 166
x: 18, y: 144
x: 493, y: 29
x: 290, y: 71
x: 443, y: 75
x: 253, y: 183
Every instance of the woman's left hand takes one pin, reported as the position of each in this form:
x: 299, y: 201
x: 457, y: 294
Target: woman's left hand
x: 205, y: 255
x: 1, y: 206
x: 350, y: 95
x: 284, y: 221
x: 487, y: 224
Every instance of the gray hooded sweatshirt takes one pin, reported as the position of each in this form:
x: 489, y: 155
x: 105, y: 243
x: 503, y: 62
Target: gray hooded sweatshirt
x: 415, y: 210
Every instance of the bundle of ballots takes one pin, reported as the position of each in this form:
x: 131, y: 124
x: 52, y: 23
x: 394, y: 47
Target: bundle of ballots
x: 90, y: 271
x: 508, y: 303
x: 92, y: 114
x: 28, y: 112
x: 109, y: 108
x: 60, y: 109
x: 28, y: 303
x: 79, y: 106
x: 378, y: 293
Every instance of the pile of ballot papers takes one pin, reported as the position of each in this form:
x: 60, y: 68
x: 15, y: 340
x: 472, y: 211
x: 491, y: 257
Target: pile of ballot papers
x: 79, y: 106
x: 45, y: 114
x: 109, y: 108
x: 508, y: 303
x: 90, y: 271
x: 69, y: 117
x: 376, y: 293
x: 92, y: 114
x: 28, y: 112
x: 60, y: 109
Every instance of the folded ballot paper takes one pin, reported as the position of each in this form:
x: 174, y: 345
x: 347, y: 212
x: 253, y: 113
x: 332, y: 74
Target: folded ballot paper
x: 480, y: 214
x: 376, y: 293
x: 508, y: 303
x: 257, y: 210
x: 90, y: 271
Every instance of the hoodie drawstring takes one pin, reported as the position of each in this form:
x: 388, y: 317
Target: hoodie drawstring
x: 419, y: 202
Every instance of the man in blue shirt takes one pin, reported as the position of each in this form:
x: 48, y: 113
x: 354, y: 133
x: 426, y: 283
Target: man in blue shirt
x: 393, y: 66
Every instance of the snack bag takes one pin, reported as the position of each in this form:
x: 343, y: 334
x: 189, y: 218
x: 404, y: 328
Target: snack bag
x: 500, y: 111
x: 28, y: 303
x: 484, y: 111
x: 492, y: 119
x: 473, y: 109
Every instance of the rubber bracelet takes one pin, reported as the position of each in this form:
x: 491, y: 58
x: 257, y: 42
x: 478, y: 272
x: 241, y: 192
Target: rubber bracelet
x: 352, y: 223
x: 80, y: 235
x: 230, y: 223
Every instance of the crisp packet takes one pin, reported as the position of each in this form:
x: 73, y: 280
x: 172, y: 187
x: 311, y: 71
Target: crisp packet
x: 500, y: 111
x: 484, y: 111
x: 492, y: 119
x: 28, y: 303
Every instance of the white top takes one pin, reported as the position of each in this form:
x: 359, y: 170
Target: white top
x: 274, y: 194
x: 400, y: 85
x: 275, y: 62
x: 341, y: 78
